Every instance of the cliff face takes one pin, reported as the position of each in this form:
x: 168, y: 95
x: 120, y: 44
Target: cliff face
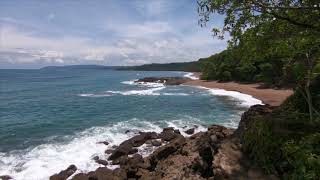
x: 214, y: 154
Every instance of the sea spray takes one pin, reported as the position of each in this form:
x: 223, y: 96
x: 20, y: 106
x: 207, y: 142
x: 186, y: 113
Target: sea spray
x: 46, y: 159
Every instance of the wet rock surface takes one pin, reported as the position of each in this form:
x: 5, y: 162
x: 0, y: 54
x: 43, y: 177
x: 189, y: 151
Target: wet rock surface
x: 164, y: 80
x: 103, y: 142
x: 62, y: 175
x: 5, y: 177
x: 190, y: 131
x: 100, y: 161
x: 214, y: 154
x: 129, y: 146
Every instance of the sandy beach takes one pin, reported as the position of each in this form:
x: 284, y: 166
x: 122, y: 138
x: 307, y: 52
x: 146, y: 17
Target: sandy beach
x: 273, y: 97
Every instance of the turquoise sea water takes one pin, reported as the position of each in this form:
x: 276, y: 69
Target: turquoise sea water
x: 51, y: 118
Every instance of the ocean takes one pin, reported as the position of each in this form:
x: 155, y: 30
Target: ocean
x: 51, y: 118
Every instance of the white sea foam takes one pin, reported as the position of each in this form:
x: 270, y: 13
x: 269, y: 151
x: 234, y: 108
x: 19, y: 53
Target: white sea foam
x: 245, y: 100
x: 132, y: 82
x: 94, y: 95
x: 175, y: 94
x: 186, y: 124
x: 145, y: 92
x: 150, y: 84
x: 191, y: 76
x: 146, y: 84
x: 46, y: 159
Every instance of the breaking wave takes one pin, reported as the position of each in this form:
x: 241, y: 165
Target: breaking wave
x: 145, y: 92
x: 191, y: 76
x: 47, y: 159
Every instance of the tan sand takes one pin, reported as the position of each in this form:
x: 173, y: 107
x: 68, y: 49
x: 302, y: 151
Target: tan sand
x: 273, y: 97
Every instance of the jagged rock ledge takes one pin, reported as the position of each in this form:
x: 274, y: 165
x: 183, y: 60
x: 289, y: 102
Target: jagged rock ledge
x: 214, y: 154
x: 164, y: 80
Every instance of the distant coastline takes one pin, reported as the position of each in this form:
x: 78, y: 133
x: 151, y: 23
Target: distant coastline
x: 193, y: 66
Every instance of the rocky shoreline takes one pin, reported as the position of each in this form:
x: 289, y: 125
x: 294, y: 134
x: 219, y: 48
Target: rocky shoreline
x: 214, y: 154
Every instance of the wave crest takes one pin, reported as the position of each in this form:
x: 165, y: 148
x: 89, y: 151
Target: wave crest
x: 191, y: 76
x: 47, y: 159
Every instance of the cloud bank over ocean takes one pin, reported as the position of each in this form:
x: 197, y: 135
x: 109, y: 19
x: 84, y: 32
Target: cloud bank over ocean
x: 98, y: 32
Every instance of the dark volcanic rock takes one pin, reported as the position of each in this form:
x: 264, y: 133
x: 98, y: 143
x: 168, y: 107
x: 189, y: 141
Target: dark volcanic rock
x: 215, y: 154
x: 104, y: 142
x: 102, y: 173
x: 122, y: 150
x: 63, y: 175
x: 81, y: 176
x: 5, y: 177
x: 156, y: 143
x: 108, y: 151
x: 127, y: 147
x: 169, y: 149
x: 251, y: 114
x: 100, y: 161
x: 168, y: 134
x: 140, y: 139
x: 190, y: 131
x: 177, y: 131
x: 164, y: 80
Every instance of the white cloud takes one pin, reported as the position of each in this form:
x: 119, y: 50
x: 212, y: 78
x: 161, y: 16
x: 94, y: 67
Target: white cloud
x: 137, y: 44
x: 148, y: 28
x: 110, y: 33
x: 11, y: 39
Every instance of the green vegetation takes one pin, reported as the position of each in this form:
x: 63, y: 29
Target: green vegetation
x: 277, y: 43
x: 285, y: 142
x: 184, y: 66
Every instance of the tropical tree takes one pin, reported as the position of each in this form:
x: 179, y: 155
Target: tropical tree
x: 287, y: 30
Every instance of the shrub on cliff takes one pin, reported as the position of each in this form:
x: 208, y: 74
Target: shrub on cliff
x: 284, y: 141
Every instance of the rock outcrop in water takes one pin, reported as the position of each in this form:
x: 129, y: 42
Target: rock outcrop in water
x: 5, y: 177
x: 65, y: 173
x: 214, y: 154
x: 164, y: 80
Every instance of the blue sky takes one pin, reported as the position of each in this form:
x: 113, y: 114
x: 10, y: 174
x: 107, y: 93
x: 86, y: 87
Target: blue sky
x: 39, y: 33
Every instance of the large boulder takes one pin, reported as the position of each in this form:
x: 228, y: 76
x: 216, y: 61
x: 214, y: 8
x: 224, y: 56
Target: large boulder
x: 63, y: 175
x: 189, y: 131
x: 128, y: 147
x: 5, y: 177
x: 142, y: 138
x: 103, y: 142
x: 250, y: 115
x: 122, y: 150
x: 80, y: 176
x: 102, y: 173
x: 166, y: 150
x: 156, y: 143
x: 169, y: 134
x: 100, y: 161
